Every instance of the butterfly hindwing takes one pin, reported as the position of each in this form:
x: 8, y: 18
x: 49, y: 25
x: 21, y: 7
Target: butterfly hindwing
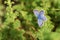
x: 40, y: 22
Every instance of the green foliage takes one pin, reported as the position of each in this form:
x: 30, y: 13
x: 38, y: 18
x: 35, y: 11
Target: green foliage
x: 18, y: 22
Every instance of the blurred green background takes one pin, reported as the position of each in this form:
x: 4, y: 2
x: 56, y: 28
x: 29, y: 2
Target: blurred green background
x: 18, y: 22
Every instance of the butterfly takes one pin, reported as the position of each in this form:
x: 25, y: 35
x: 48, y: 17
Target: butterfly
x: 40, y: 16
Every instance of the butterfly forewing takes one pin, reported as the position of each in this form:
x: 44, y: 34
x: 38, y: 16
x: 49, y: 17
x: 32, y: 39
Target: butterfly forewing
x: 36, y: 13
x: 41, y: 15
x: 41, y: 12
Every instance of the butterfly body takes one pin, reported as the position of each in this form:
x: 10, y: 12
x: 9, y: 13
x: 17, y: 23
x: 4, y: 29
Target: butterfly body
x: 40, y: 16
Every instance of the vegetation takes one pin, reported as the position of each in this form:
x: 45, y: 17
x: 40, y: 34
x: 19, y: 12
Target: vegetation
x: 18, y: 22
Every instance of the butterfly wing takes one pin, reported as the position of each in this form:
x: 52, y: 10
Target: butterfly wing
x: 40, y: 22
x: 43, y: 18
x: 36, y: 13
x: 41, y: 12
x: 41, y: 15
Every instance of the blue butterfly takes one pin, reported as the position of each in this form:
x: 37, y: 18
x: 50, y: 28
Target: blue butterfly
x: 40, y: 16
